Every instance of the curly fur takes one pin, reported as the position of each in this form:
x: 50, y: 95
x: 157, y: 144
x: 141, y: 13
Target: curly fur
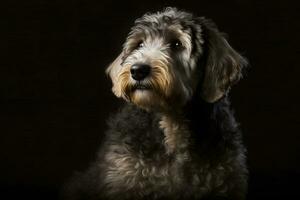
x: 190, y: 152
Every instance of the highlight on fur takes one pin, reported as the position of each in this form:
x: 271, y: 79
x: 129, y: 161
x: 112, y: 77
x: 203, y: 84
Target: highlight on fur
x: 176, y: 138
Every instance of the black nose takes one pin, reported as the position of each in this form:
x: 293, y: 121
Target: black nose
x: 139, y: 71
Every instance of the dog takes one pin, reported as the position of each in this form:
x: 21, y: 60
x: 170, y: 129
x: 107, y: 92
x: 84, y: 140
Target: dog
x: 176, y: 137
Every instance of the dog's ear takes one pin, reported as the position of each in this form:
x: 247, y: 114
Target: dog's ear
x: 113, y: 71
x: 223, y: 66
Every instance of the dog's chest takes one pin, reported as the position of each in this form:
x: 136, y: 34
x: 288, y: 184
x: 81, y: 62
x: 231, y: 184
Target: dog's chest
x: 147, y: 168
x: 169, y: 169
x: 129, y: 173
x: 133, y: 172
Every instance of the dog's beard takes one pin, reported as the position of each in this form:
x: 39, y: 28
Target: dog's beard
x: 151, y: 93
x: 146, y: 94
x: 147, y: 99
x: 160, y: 91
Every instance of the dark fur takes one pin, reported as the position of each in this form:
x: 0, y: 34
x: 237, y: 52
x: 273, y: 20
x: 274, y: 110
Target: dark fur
x: 215, y: 134
x: 215, y: 167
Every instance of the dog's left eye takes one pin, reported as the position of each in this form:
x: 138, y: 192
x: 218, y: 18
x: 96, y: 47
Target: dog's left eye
x: 176, y: 44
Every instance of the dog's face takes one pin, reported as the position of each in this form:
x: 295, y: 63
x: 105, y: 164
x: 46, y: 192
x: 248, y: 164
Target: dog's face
x: 167, y: 55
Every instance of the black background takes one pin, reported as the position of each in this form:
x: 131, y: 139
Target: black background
x: 55, y: 97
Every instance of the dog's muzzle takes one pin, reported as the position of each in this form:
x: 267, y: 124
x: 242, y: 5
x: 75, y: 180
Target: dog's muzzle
x: 139, y: 71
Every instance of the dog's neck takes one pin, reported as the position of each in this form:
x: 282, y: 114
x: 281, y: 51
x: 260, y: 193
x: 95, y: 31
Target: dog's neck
x: 197, y: 119
x: 176, y: 133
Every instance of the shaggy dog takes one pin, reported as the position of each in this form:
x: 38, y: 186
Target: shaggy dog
x: 176, y: 138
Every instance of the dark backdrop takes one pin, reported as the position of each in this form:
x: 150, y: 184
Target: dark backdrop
x: 55, y: 97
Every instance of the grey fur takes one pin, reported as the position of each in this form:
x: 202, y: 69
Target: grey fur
x: 178, y: 139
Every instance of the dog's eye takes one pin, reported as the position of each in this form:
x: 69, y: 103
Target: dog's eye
x: 176, y: 44
x: 140, y: 44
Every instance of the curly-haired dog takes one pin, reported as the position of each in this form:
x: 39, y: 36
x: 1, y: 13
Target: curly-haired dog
x: 176, y: 138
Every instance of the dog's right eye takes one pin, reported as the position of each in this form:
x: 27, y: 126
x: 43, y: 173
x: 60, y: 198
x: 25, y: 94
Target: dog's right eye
x: 140, y: 45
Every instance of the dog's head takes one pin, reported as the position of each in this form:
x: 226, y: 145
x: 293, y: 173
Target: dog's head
x: 167, y: 55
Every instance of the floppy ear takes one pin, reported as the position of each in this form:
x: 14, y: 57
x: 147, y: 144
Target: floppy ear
x: 223, y: 65
x: 113, y: 71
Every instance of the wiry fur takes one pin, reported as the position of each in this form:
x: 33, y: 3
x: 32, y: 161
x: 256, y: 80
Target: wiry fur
x: 177, y: 139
